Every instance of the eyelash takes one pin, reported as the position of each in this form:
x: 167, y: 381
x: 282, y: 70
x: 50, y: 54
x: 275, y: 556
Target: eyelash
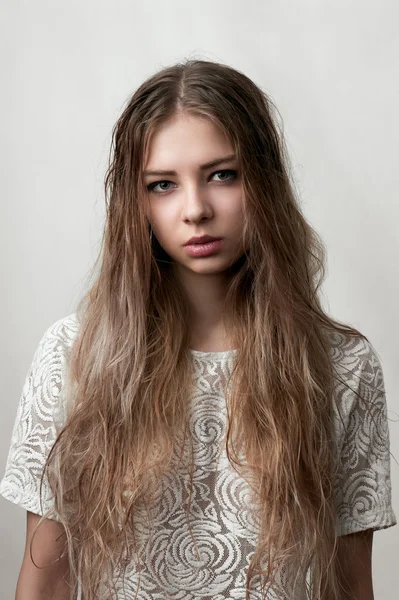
x: 151, y: 186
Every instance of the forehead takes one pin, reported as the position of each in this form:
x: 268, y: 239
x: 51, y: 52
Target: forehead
x: 185, y: 140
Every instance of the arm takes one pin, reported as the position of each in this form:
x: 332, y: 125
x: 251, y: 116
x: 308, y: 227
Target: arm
x: 51, y: 582
x: 354, y: 557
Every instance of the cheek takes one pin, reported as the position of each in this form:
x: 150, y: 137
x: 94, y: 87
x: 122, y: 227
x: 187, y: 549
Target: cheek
x: 162, y: 227
x: 234, y: 215
x: 163, y: 216
x: 153, y: 216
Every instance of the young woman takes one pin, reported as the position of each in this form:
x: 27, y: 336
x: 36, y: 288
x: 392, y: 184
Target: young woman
x: 200, y: 427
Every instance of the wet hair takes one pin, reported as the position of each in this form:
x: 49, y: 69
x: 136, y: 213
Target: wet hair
x: 130, y: 371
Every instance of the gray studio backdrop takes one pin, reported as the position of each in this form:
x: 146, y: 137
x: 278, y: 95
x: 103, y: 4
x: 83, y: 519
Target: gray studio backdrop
x: 67, y: 69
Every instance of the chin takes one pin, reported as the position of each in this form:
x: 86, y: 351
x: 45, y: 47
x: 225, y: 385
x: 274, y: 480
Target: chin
x: 208, y: 269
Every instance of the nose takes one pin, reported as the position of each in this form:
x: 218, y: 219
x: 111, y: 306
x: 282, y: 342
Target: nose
x: 196, y: 203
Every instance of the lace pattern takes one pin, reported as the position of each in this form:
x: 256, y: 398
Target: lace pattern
x: 222, y: 520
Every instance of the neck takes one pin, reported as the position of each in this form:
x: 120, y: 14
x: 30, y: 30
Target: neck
x: 205, y: 295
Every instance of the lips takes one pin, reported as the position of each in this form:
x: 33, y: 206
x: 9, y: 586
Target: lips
x: 204, y: 249
x: 201, y: 240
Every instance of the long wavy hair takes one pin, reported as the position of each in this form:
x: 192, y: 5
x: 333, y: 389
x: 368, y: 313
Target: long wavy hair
x: 130, y: 370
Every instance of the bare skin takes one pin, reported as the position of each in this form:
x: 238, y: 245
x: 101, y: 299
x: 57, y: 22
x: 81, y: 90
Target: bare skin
x: 198, y: 200
x: 51, y: 582
x: 355, y: 558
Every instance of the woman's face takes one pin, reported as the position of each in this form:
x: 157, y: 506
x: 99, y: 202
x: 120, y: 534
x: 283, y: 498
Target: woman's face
x: 193, y: 199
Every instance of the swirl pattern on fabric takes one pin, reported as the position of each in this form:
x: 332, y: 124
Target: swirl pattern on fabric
x: 222, y: 520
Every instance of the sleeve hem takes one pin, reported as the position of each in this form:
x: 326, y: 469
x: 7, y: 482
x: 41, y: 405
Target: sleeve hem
x: 13, y: 494
x: 383, y: 520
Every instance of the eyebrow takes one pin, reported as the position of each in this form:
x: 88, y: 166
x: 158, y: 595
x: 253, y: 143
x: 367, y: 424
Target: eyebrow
x: 208, y: 165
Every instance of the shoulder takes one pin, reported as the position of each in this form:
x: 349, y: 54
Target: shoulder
x: 63, y: 331
x: 41, y: 413
x: 58, y: 338
x: 45, y: 382
x: 356, y: 361
x: 362, y: 476
x: 359, y: 402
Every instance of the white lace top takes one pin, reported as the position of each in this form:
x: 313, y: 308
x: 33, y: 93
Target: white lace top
x: 222, y: 522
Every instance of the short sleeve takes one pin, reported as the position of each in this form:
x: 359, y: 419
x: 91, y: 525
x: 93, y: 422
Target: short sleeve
x: 38, y: 418
x: 363, y: 481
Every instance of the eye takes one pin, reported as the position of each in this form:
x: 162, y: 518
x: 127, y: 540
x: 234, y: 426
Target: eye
x: 229, y: 171
x: 151, y: 186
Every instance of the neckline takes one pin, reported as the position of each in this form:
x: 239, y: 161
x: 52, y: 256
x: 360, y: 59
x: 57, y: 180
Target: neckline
x: 213, y: 354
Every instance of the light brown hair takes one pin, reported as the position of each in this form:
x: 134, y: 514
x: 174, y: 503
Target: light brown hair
x: 130, y: 369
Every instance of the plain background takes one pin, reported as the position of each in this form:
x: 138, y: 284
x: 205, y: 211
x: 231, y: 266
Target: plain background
x: 68, y: 68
